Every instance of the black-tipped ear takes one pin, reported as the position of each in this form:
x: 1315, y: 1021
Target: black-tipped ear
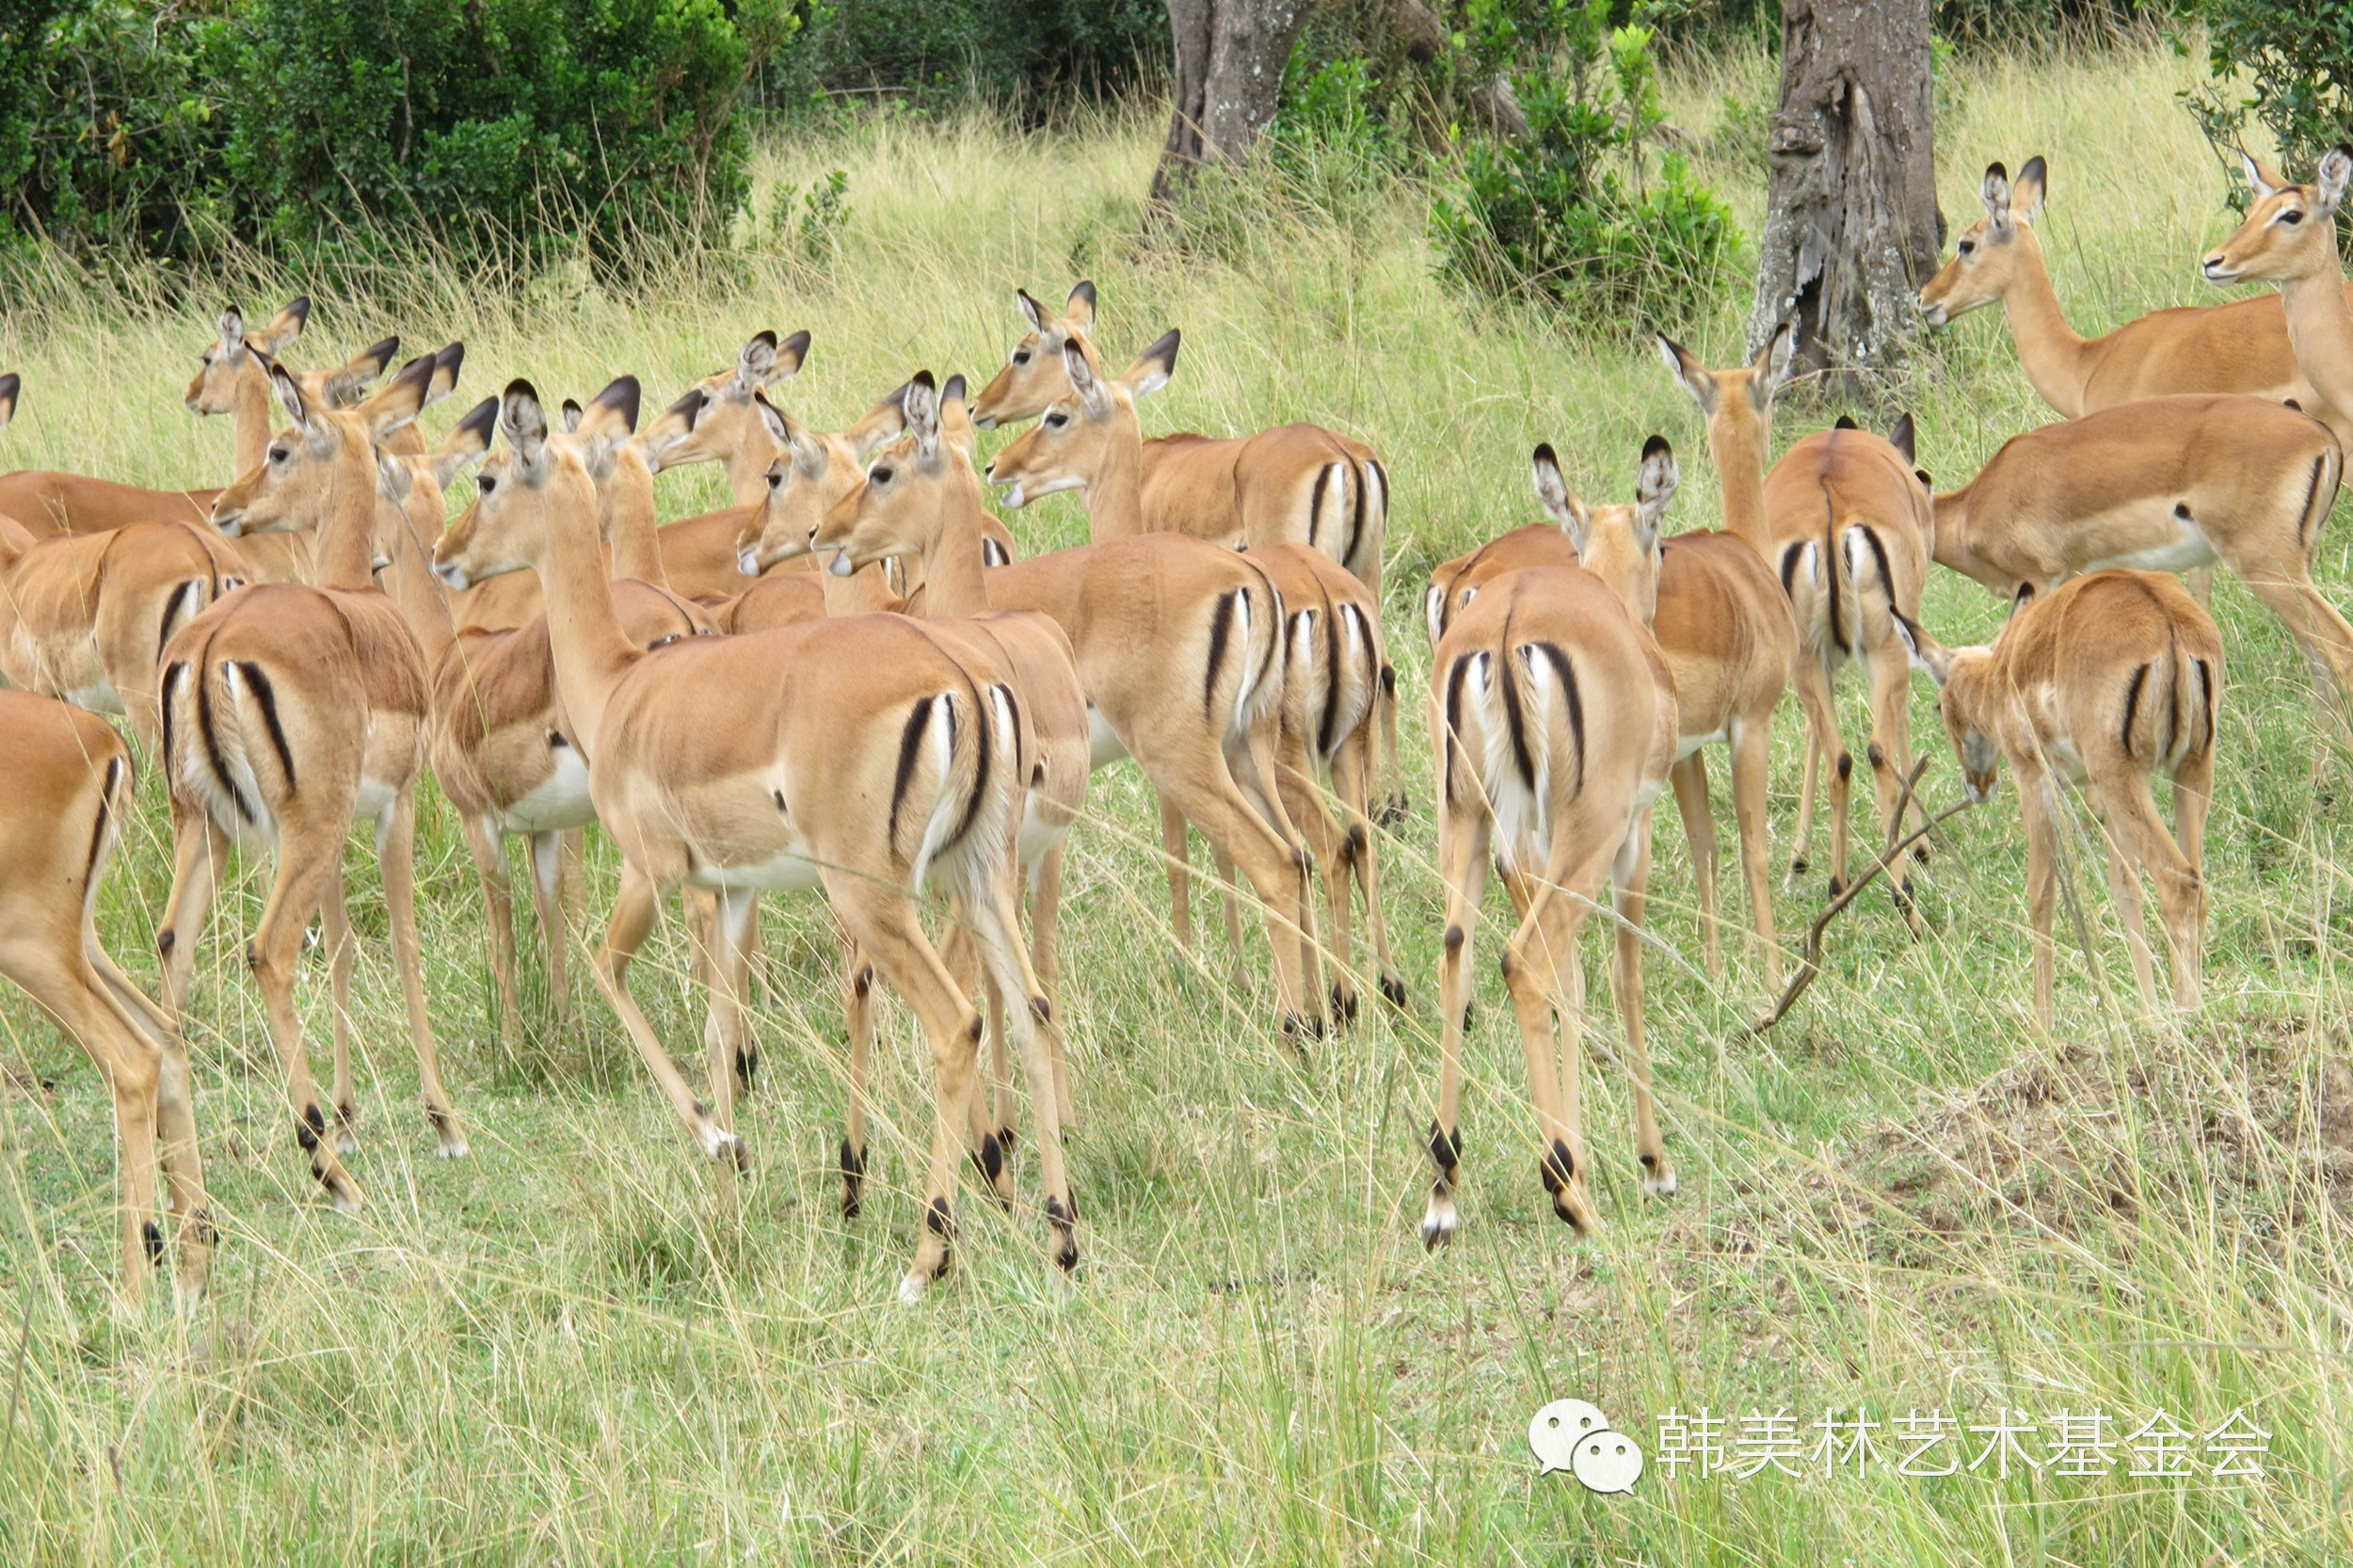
x: 1846, y: 421
x: 573, y: 414
x: 1925, y: 483
x: 690, y: 407
x: 921, y: 378
x: 451, y: 359
x: 621, y: 396
x: 481, y: 419
x: 954, y: 391
x: 1655, y: 445
x: 298, y: 310
x: 790, y: 352
x: 1031, y: 309
x: 381, y: 352
x: 2023, y: 598
x: 1902, y: 437
x: 8, y: 386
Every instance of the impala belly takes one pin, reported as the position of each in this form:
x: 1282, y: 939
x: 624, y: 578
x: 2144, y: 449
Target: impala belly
x: 1104, y: 746
x: 375, y: 798
x: 559, y: 801
x: 98, y: 696
x: 789, y: 871
x: 2178, y: 544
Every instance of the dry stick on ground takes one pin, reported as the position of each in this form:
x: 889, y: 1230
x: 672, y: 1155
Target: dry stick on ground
x: 1888, y: 856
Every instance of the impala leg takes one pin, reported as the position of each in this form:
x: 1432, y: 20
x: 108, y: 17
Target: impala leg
x: 1177, y: 855
x: 396, y: 850
x: 551, y: 899
x: 1259, y: 780
x: 1353, y: 773
x: 2199, y: 580
x: 1690, y: 778
x: 51, y: 966
x: 729, y: 1036
x: 882, y: 920
x: 1751, y: 789
x: 335, y: 926
x: 2034, y: 811
x: 2287, y: 590
x: 2193, y: 793
x: 1828, y: 748
x: 992, y: 1091
x: 198, y: 851
x: 857, y: 1011
x: 1229, y: 900
x: 1044, y: 928
x: 306, y: 852
x: 1890, y: 755
x: 1029, y: 1014
x: 575, y: 876
x: 1545, y: 977
x: 497, y: 909
x: 1328, y: 847
x: 633, y: 913
x: 1630, y: 875
x: 2140, y: 842
x: 1462, y: 838
x: 175, y: 1117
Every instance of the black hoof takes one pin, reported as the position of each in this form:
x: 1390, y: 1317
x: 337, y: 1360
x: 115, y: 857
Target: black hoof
x: 1343, y: 1008
x: 853, y: 1179
x: 1837, y: 885
x: 747, y: 1064
x: 1797, y: 867
x: 1393, y: 991
x: 1004, y: 1141
x: 1297, y: 1030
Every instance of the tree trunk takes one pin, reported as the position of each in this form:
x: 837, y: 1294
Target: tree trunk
x: 1851, y: 225
x: 1230, y: 55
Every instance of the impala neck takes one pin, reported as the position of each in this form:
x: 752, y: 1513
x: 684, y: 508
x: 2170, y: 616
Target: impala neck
x: 251, y: 407
x: 1953, y: 546
x: 408, y: 578
x: 2320, y: 329
x: 592, y: 651
x: 953, y: 561
x: 627, y: 500
x: 345, y: 554
x: 1115, y: 493
x: 747, y: 472
x: 1738, y: 443
x: 2049, y: 350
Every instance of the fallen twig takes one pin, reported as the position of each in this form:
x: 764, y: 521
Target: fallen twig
x: 1888, y: 856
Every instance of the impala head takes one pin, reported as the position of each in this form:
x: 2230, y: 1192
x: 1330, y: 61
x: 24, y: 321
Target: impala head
x: 1618, y: 544
x: 897, y: 507
x: 2290, y: 231
x: 798, y: 491
x: 1079, y: 431
x: 523, y: 485
x: 234, y: 364
x: 1969, y: 697
x: 1738, y: 402
x: 325, y: 452
x: 1990, y: 251
x: 412, y: 488
x: 717, y: 419
x: 1033, y: 376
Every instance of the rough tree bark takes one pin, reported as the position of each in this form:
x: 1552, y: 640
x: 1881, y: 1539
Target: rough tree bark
x: 1851, y: 225
x: 1230, y: 55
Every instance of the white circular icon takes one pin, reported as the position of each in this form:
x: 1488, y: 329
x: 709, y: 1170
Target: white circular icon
x: 1555, y: 1431
x: 1608, y: 1462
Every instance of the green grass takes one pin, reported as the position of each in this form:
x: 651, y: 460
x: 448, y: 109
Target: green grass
x: 562, y: 1352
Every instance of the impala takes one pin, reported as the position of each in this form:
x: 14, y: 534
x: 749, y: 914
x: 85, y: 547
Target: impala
x: 1296, y: 484
x: 921, y: 500
x: 2238, y: 347
x: 2165, y: 484
x: 2290, y: 238
x: 857, y: 755
x: 1553, y: 724
x: 2104, y: 681
x: 1181, y: 650
x: 288, y: 714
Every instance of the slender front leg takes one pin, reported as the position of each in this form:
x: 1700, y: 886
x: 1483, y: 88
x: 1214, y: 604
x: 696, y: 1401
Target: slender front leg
x: 396, y: 850
x: 498, y: 911
x: 551, y: 897
x: 633, y: 913
x: 307, y: 853
x: 1177, y: 855
x: 1631, y: 876
x: 198, y: 851
x: 1751, y: 786
x: 1045, y: 926
x: 2034, y: 809
x: 1026, y: 1011
x: 1690, y: 778
x: 335, y: 926
x: 175, y: 1118
x: 857, y: 1009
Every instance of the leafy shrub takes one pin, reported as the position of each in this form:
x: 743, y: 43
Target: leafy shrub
x: 317, y: 126
x: 1030, y: 55
x: 2296, y: 59
x: 1576, y: 209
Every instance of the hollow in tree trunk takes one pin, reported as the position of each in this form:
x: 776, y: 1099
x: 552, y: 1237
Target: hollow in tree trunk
x: 1852, y: 226
x: 1230, y: 55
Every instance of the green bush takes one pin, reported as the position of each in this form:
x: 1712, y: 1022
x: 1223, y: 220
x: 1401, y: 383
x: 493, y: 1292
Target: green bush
x: 1584, y: 209
x: 2296, y: 59
x: 494, y: 127
x: 1027, y: 55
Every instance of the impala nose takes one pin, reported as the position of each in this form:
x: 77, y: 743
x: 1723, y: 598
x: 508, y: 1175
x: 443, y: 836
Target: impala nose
x: 2218, y: 270
x: 747, y: 561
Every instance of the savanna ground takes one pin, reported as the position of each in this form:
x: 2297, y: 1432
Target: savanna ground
x: 559, y: 1352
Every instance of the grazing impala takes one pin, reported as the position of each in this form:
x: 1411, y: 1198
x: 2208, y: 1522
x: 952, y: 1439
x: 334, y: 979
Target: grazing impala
x: 2290, y: 238
x: 1553, y: 723
x: 1295, y: 483
x: 288, y: 714
x: 1181, y: 650
x: 859, y: 755
x: 2104, y: 681
x: 2238, y: 347
x: 2165, y: 484
x: 921, y: 500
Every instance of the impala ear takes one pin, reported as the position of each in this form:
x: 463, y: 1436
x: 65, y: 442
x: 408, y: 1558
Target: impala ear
x: 2336, y: 172
x: 1685, y: 367
x: 690, y: 407
x: 923, y: 411
x: 1561, y: 502
x: 882, y: 423
x: 231, y: 332
x: 399, y: 399
x: 524, y: 423
x: 756, y: 364
x: 467, y: 440
x: 572, y: 411
x: 1903, y: 436
x: 394, y: 480
x: 1031, y: 311
x: 1154, y: 366
x: 447, y: 363
x: 1078, y: 309
x: 1082, y: 381
x: 791, y: 353
x: 10, y: 385
x: 1995, y: 193
x: 1927, y: 652
x: 2025, y: 195
x: 289, y: 395
x: 1775, y: 362
x: 2021, y: 600
x: 2259, y: 179
x: 1925, y: 483
x: 286, y: 325
x: 1656, y: 488
x: 1845, y: 421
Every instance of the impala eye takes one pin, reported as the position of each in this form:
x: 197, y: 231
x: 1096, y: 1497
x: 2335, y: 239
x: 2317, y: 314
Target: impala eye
x: 485, y: 485
x: 1967, y: 246
x: 776, y: 479
x: 277, y: 453
x: 2294, y: 215
x: 1021, y: 356
x: 880, y: 475
x: 1055, y: 422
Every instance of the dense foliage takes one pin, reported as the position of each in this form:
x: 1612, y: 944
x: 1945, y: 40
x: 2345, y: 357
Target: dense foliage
x: 333, y: 128
x: 1024, y: 55
x: 2296, y: 60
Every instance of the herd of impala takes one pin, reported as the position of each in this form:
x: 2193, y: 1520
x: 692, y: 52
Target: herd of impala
x: 848, y: 681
